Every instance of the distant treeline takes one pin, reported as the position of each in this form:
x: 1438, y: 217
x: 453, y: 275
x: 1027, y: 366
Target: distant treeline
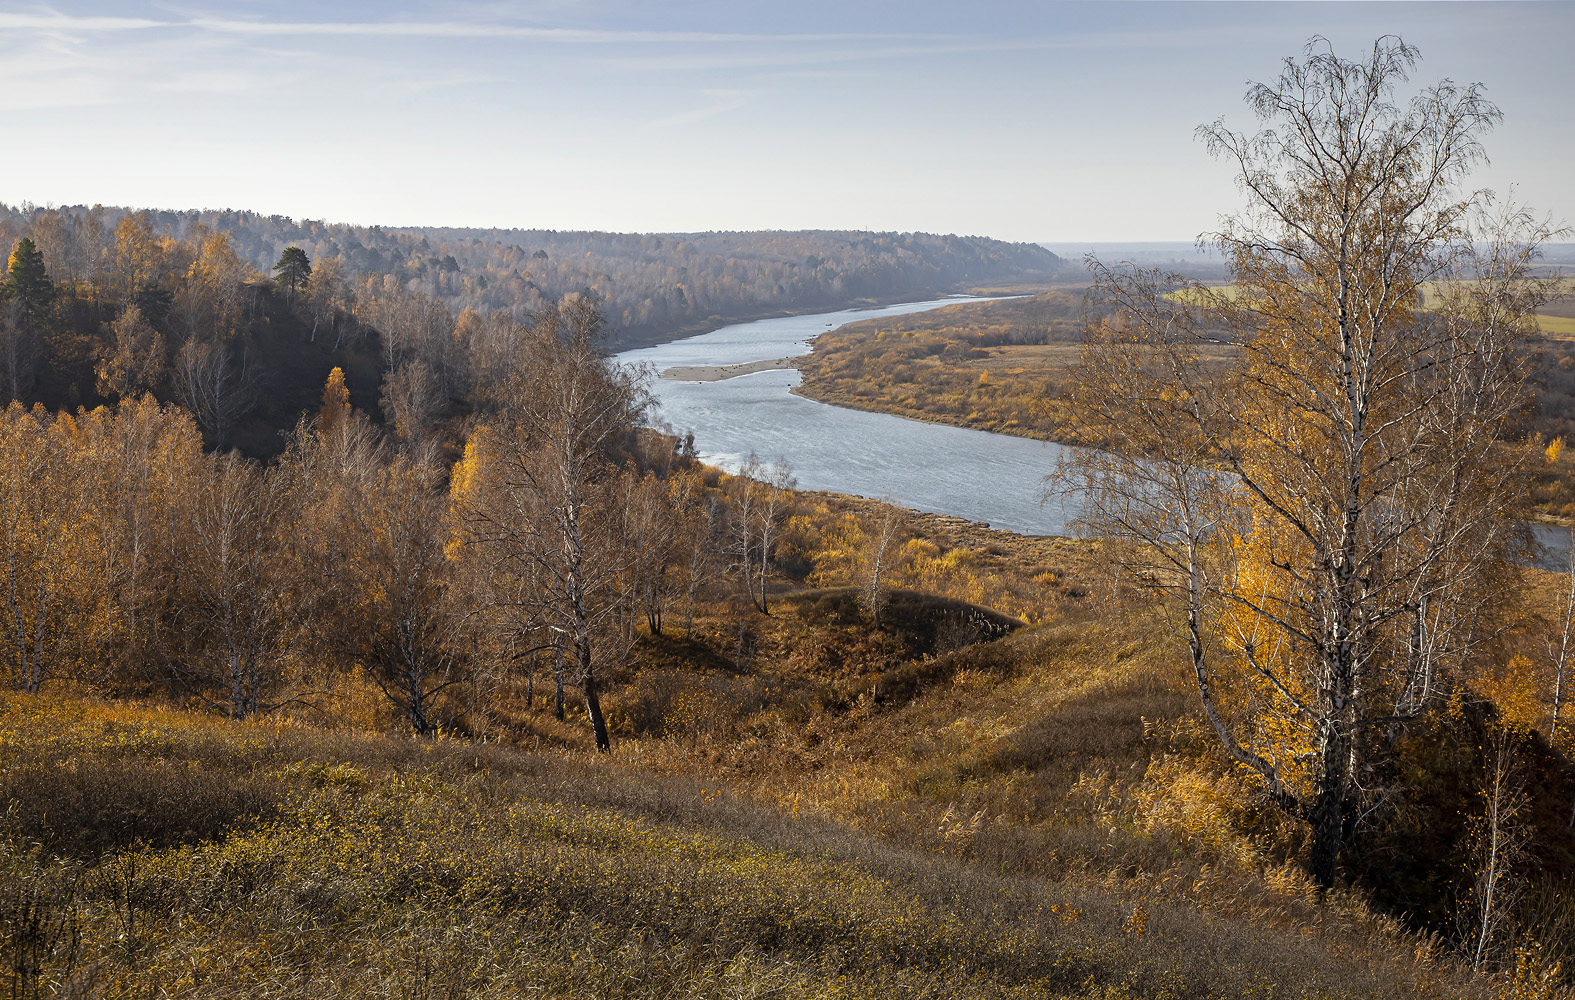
x: 650, y: 286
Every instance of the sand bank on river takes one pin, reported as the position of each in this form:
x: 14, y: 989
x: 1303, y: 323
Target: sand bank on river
x: 715, y: 373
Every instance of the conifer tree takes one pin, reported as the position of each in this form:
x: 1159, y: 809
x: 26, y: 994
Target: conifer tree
x: 294, y: 269
x: 27, y: 281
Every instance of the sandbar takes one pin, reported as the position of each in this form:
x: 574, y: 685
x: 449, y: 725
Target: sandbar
x: 715, y: 373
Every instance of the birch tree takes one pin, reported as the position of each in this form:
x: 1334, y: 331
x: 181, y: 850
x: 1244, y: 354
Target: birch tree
x: 541, y: 502
x: 1311, y: 460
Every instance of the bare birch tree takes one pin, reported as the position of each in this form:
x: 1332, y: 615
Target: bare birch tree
x: 1311, y: 460
x: 215, y: 390
x: 236, y: 572
x: 879, y: 547
x: 541, y: 508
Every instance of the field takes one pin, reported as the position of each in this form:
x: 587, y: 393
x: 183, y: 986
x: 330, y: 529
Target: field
x: 992, y: 366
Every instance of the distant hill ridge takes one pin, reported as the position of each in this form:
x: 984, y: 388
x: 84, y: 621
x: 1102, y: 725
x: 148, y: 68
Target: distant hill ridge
x: 653, y: 286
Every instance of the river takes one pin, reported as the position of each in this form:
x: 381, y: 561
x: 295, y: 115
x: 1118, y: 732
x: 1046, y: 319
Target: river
x: 992, y: 478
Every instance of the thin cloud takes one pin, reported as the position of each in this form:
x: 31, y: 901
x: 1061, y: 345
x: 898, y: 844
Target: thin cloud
x: 64, y: 22
x: 723, y: 101
x: 55, y: 21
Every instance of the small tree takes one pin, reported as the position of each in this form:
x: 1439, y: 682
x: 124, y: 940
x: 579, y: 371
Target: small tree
x: 294, y: 269
x: 215, y: 390
x: 538, y: 499
x: 1499, y: 836
x: 336, y: 403
x: 237, y: 573
x: 880, y: 545
x: 137, y: 362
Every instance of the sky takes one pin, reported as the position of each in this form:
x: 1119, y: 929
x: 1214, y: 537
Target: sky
x: 1035, y: 121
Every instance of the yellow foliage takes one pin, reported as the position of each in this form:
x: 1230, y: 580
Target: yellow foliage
x: 1177, y: 797
x: 1552, y: 451
x: 1516, y: 691
x: 336, y: 402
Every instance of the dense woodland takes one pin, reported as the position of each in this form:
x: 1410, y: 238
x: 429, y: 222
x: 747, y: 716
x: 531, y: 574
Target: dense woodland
x: 652, y: 287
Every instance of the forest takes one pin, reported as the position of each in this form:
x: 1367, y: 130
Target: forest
x: 652, y: 287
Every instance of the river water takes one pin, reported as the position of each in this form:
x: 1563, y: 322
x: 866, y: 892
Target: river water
x: 993, y: 478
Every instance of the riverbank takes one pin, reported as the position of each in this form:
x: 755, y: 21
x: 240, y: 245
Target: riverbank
x: 995, y: 366
x: 926, y: 466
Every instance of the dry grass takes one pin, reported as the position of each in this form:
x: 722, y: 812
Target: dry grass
x: 401, y: 868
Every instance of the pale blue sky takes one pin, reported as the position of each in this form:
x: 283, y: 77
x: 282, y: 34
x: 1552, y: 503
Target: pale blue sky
x: 1030, y: 121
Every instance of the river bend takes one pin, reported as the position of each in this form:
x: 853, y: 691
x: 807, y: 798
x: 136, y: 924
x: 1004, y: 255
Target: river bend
x: 993, y: 478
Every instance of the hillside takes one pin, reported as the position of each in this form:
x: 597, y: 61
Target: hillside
x: 1028, y: 816
x: 1004, y: 789
x: 653, y: 287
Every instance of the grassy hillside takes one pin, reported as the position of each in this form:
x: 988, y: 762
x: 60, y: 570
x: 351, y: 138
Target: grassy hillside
x: 956, y: 803
x: 161, y: 853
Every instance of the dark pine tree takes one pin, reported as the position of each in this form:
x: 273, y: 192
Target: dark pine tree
x: 294, y: 268
x: 26, y: 280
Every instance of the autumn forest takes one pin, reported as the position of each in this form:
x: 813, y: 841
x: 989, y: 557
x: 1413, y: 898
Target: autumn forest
x: 364, y: 633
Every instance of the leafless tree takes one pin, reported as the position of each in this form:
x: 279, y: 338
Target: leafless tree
x: 1498, y: 849
x: 776, y: 498
x: 404, y: 627
x: 760, y: 496
x: 326, y: 296
x: 237, y: 576
x: 1560, y: 657
x: 879, y: 547
x: 543, y: 509
x: 411, y: 400
x: 744, y: 497
x: 216, y: 389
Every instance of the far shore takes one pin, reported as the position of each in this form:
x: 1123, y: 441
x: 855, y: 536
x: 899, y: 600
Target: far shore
x: 716, y: 373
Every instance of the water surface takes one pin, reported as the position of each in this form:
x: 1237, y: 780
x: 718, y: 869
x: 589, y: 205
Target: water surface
x: 993, y: 478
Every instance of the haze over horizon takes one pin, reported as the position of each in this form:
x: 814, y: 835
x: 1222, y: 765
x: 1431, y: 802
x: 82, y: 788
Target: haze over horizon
x: 1062, y: 123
